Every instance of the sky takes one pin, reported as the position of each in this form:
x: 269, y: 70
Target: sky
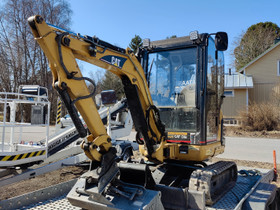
x: 118, y: 21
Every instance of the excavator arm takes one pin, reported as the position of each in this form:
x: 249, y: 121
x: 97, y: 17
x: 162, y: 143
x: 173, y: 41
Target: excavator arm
x: 62, y: 48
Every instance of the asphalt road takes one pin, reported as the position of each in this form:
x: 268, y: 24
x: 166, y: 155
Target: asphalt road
x: 253, y: 149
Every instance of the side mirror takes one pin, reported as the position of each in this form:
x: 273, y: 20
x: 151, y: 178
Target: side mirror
x: 221, y: 41
x: 108, y: 97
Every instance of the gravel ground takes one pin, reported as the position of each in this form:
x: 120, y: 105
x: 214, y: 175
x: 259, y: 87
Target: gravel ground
x: 40, y: 182
x: 238, y: 131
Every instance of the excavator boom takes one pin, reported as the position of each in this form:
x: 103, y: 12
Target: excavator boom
x: 62, y: 49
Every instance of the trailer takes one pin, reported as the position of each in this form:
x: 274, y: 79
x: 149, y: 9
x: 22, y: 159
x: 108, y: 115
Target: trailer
x: 32, y: 101
x: 252, y: 191
x: 17, y: 151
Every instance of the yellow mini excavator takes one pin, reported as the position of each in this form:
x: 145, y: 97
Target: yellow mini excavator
x: 174, y: 90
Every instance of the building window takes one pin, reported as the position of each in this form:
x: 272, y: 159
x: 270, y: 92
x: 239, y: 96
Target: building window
x: 229, y: 93
x: 278, y: 67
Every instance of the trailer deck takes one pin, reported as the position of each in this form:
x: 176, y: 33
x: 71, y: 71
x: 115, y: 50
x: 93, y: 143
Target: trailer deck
x: 252, y: 191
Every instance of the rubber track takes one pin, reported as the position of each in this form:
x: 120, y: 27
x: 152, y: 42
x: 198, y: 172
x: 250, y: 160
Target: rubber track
x: 215, y: 180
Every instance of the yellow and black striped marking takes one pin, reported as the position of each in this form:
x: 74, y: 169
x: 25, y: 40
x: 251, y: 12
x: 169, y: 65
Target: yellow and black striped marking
x: 22, y: 156
x: 58, y: 115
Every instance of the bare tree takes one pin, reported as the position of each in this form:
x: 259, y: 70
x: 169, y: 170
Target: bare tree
x: 21, y: 59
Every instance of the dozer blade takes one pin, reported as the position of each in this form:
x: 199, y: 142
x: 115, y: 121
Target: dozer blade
x: 215, y: 180
x: 102, y: 189
x: 116, y: 197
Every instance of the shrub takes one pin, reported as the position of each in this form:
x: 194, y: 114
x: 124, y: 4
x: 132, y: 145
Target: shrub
x: 259, y: 117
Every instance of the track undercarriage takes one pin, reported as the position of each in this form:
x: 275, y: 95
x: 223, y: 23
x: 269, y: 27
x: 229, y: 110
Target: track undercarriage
x: 134, y: 185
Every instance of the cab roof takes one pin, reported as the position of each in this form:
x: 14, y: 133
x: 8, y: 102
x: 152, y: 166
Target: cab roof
x: 172, y: 42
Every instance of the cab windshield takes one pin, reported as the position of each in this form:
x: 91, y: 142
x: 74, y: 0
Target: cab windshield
x: 172, y: 79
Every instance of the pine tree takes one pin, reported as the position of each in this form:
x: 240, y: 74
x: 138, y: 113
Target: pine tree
x: 135, y: 43
x: 112, y: 82
x: 257, y: 39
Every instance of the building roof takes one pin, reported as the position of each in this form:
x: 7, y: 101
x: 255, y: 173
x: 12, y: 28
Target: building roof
x: 261, y: 55
x: 238, y: 81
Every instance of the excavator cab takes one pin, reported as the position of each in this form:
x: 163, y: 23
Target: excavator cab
x: 185, y: 77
